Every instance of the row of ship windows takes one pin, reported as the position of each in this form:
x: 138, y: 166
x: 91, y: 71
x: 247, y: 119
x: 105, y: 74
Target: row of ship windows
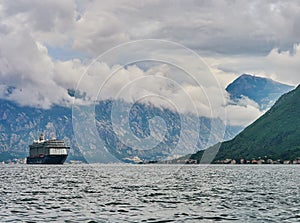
x: 50, y: 151
x: 58, y: 151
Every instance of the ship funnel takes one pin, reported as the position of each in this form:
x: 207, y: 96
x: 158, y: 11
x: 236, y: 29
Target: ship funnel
x: 42, y: 137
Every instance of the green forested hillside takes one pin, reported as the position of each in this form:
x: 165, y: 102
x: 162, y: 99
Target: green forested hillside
x: 276, y: 134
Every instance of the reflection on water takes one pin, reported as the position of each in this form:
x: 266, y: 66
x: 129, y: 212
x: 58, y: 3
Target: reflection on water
x: 149, y: 193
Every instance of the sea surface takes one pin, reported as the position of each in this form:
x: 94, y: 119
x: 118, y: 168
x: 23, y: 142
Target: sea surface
x: 150, y: 193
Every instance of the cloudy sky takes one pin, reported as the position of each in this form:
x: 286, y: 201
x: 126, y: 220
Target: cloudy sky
x: 47, y: 47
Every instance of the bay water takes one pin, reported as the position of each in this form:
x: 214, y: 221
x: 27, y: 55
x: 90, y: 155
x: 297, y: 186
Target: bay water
x: 149, y: 193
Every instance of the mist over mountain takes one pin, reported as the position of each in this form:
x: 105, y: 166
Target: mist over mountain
x: 263, y: 91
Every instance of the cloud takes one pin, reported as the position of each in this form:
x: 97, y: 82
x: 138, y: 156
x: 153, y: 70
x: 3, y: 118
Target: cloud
x: 242, y: 115
x: 233, y: 37
x: 161, y: 85
x: 95, y: 26
x: 202, y: 25
x: 282, y: 66
x: 209, y: 26
x: 285, y: 65
x: 27, y: 69
x: 242, y: 112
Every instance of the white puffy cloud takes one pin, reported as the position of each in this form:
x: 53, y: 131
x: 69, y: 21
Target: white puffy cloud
x: 160, y: 85
x: 242, y: 112
x: 242, y: 115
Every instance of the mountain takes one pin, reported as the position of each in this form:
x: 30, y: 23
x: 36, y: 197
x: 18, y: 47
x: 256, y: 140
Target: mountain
x: 140, y: 116
x: 263, y: 91
x: 274, y: 135
x: 19, y: 126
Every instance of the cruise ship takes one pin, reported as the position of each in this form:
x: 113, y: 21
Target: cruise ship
x: 50, y: 151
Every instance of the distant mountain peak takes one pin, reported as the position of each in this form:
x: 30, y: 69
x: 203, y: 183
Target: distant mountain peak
x: 264, y: 91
